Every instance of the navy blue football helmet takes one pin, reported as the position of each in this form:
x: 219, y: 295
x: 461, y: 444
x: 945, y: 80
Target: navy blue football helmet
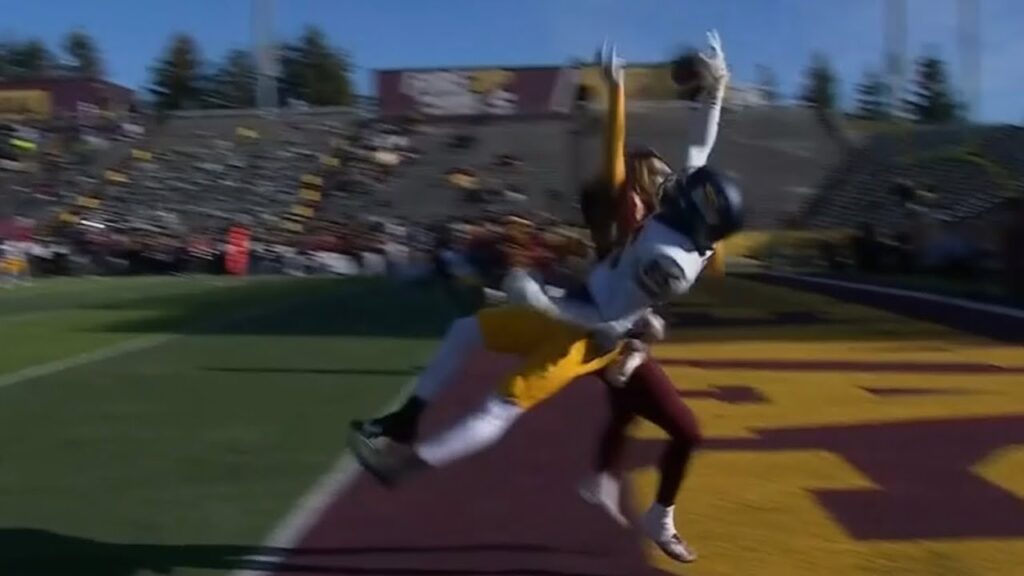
x: 705, y: 206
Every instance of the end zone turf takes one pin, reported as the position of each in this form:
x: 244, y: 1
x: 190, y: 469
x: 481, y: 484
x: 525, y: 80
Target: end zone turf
x: 863, y: 442
x: 820, y: 417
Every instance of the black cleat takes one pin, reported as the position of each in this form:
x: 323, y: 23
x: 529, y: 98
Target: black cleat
x: 399, y: 427
x: 385, y: 460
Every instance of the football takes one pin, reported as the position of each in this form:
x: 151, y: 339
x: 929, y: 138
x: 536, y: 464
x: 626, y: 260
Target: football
x: 690, y: 75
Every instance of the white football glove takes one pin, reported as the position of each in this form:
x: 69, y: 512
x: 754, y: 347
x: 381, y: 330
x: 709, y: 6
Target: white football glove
x: 714, y: 58
x: 650, y: 327
x: 614, y: 68
x: 633, y: 354
x: 522, y: 289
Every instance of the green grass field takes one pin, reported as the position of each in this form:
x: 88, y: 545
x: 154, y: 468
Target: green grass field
x: 232, y: 397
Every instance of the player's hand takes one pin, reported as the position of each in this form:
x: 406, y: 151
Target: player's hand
x: 714, y: 58
x: 632, y: 355
x: 612, y: 66
x: 522, y: 288
x: 650, y: 327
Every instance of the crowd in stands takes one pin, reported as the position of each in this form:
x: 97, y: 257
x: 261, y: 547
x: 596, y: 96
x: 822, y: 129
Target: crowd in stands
x: 948, y: 214
x: 309, y: 186
x: 44, y: 162
x: 337, y: 191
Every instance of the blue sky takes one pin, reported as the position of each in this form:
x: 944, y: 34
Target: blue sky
x: 409, y: 33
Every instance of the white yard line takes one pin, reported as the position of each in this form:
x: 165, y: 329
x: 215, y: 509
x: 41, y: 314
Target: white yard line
x: 130, y: 346
x: 113, y: 351
x: 309, y: 508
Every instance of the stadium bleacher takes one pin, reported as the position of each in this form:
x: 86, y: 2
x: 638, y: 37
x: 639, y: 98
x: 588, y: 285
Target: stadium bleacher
x: 780, y: 154
x: 966, y: 170
x: 198, y: 173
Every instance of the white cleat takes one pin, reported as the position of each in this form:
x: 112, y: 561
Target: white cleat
x: 603, y: 491
x: 658, y: 525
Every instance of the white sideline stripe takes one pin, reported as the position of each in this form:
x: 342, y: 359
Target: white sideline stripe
x: 40, y: 370
x: 307, y: 511
x: 311, y: 505
x: 949, y: 300
x: 304, y: 515
x: 126, y: 347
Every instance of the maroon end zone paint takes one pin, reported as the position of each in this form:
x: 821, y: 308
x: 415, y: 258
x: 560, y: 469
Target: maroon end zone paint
x: 886, y: 392
x: 511, y: 510
x: 728, y: 394
x: 444, y: 522
x: 926, y: 489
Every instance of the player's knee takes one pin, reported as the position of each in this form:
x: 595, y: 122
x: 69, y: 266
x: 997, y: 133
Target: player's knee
x: 502, y: 412
x: 684, y: 430
x: 496, y: 417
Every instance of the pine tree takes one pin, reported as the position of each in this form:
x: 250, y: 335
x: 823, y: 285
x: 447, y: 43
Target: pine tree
x: 872, y: 102
x: 315, y: 72
x: 820, y: 85
x: 29, y: 58
x: 233, y: 83
x: 931, y: 100
x: 177, y: 77
x: 83, y: 56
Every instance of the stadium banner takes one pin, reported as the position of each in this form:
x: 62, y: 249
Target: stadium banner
x: 475, y: 92
x: 15, y: 104
x: 510, y: 91
x: 643, y: 83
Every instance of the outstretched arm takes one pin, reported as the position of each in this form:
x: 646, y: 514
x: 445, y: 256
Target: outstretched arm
x: 521, y: 288
x: 615, y: 123
x: 600, y: 198
x: 703, y: 128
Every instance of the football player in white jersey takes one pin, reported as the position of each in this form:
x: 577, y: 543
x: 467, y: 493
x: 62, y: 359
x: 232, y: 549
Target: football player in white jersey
x: 560, y: 339
x: 637, y: 386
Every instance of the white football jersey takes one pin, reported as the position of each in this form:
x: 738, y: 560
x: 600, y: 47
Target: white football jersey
x: 617, y: 283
